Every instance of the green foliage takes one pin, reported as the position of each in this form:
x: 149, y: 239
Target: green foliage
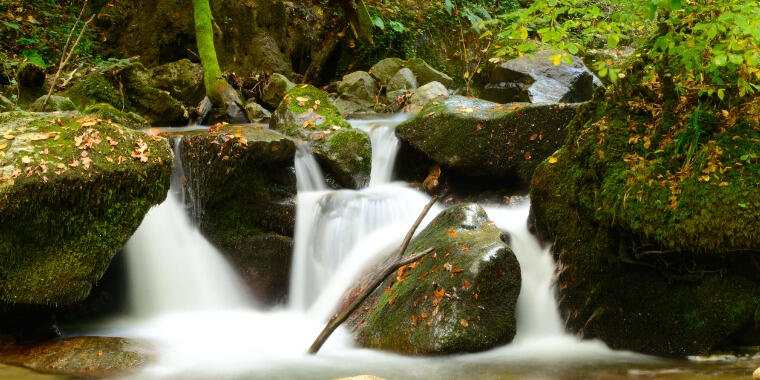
x: 713, y: 46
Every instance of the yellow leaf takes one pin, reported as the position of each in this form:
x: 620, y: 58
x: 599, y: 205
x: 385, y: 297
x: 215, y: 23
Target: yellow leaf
x: 601, y: 154
x: 556, y: 59
x: 552, y: 160
x: 3, y: 145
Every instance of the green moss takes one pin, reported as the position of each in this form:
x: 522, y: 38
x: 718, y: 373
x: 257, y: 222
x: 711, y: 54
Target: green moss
x: 106, y: 111
x: 62, y: 217
x: 95, y: 88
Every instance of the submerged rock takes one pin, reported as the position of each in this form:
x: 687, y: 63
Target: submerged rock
x: 484, y: 139
x: 86, y: 356
x: 459, y: 298
x: 655, y: 254
x: 242, y: 187
x: 307, y: 113
x: 535, y: 78
x: 128, y: 86
x: 182, y: 79
x: 55, y: 103
x: 72, y: 191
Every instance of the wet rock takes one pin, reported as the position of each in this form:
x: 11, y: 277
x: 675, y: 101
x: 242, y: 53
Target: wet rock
x: 242, y: 185
x: 403, y: 80
x: 87, y: 357
x: 71, y: 193
x: 307, y: 113
x: 483, y: 139
x: 106, y: 111
x: 654, y: 265
x: 425, y: 94
x: 275, y: 90
x: 357, y: 93
x: 55, y: 103
x: 256, y: 111
x: 182, y: 79
x: 128, y: 86
x: 460, y: 298
x: 537, y: 79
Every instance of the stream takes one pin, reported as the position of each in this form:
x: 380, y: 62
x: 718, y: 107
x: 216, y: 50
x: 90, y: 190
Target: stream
x: 187, y: 299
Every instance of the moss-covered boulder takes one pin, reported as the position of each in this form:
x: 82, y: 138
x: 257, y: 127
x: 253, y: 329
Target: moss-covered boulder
x: 82, y: 357
x: 242, y: 186
x: 307, y: 113
x: 357, y: 93
x: 182, y: 79
x: 73, y: 189
x: 54, y: 103
x: 385, y: 69
x: 653, y: 208
x: 128, y: 86
x: 484, y: 139
x: 106, y: 111
x: 277, y: 86
x: 459, y: 298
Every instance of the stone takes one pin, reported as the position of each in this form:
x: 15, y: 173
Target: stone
x: 256, y: 111
x: 425, y: 94
x: 478, y: 138
x: 55, y: 103
x: 426, y: 73
x: 275, y: 89
x: 756, y: 374
x: 357, y: 93
x: 106, y: 111
x: 308, y: 114
x: 182, y: 79
x: 384, y: 70
x: 459, y: 298
x: 537, y: 79
x: 86, y: 356
x: 7, y: 105
x: 65, y: 218
x: 243, y: 198
x: 404, y: 80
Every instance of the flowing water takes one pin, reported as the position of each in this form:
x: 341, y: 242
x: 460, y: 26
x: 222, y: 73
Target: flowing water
x: 187, y: 299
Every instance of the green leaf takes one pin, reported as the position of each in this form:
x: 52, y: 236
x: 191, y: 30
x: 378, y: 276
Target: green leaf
x: 378, y: 22
x: 572, y: 49
x: 613, y: 40
x: 11, y: 25
x: 720, y: 59
x: 33, y: 56
x: 449, y: 6
x: 721, y: 94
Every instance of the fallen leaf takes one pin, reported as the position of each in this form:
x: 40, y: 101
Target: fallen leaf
x: 527, y: 156
x: 26, y: 159
x: 463, y: 322
x: 552, y: 160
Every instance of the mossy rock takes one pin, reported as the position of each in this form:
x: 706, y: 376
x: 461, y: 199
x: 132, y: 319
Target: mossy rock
x: 71, y: 194
x: 55, y: 103
x: 656, y: 245
x: 307, y: 113
x: 459, y: 298
x: 106, y: 111
x: 484, y: 139
x: 275, y: 89
x: 385, y: 69
x: 128, y: 86
x: 182, y: 79
x: 243, y: 186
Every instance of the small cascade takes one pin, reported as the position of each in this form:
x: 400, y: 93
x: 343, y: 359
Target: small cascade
x: 308, y: 174
x: 385, y: 146
x: 173, y: 267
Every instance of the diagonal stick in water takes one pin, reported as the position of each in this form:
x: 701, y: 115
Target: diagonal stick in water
x: 396, y: 262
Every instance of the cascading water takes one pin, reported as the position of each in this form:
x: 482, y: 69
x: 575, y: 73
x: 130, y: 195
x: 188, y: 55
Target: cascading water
x: 205, y: 327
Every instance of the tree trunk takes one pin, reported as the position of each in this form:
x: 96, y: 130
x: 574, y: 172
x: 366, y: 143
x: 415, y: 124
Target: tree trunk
x: 358, y: 17
x: 218, y: 90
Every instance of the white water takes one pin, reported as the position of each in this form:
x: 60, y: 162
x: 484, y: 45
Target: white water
x: 204, y: 328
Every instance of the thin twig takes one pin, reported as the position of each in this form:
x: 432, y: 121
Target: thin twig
x: 65, y: 61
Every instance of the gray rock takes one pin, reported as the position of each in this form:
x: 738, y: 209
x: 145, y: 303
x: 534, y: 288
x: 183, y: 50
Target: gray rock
x: 384, y: 70
x: 55, y: 103
x: 275, y: 90
x: 404, y: 80
x: 426, y: 73
x: 537, y: 79
x: 357, y: 93
x: 256, y: 111
x: 425, y: 94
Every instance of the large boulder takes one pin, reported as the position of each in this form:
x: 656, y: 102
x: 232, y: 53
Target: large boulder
x: 73, y: 189
x: 241, y: 185
x: 536, y: 78
x: 307, y: 113
x: 459, y: 298
x: 423, y: 95
x: 85, y: 357
x: 483, y: 139
x: 656, y: 245
x: 128, y: 86
x: 357, y: 92
x: 182, y: 79
x: 386, y: 69
x: 403, y: 80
